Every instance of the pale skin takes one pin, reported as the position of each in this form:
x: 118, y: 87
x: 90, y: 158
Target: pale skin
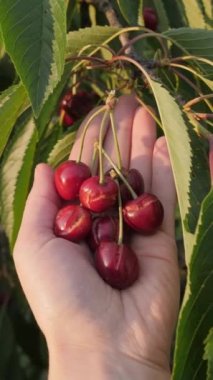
x: 92, y: 330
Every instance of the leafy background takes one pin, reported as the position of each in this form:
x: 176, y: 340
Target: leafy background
x: 40, y: 47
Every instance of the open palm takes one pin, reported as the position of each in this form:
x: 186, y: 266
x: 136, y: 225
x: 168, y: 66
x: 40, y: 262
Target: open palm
x: 66, y: 294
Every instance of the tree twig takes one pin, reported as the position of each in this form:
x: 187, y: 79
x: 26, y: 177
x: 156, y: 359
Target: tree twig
x: 197, y: 100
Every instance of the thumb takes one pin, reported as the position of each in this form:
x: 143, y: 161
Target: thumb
x: 40, y: 210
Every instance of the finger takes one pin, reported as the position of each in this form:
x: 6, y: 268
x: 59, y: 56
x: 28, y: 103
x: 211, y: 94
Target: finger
x: 143, y: 140
x: 163, y: 184
x: 211, y: 157
x: 91, y: 138
x: 41, y: 207
x: 123, y: 116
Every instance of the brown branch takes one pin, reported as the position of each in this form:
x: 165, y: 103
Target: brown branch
x: 202, y: 116
x: 197, y: 100
x: 106, y: 7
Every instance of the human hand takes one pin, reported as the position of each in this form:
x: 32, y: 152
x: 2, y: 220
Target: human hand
x: 119, y: 334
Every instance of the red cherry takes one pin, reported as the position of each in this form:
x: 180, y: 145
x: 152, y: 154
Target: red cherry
x: 98, y: 197
x: 77, y: 105
x: 73, y: 223
x: 66, y: 119
x: 82, y: 103
x: 117, y: 264
x: 68, y: 178
x: 66, y: 101
x: 150, y: 18
x: 135, y: 179
x: 144, y: 214
x: 103, y: 229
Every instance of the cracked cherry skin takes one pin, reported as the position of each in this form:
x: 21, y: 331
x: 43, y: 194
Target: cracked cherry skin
x: 117, y: 264
x: 68, y: 178
x: 104, y: 228
x: 73, y: 223
x: 144, y: 214
x: 98, y: 197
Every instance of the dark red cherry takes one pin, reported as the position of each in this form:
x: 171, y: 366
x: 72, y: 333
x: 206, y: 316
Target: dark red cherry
x: 117, y: 264
x: 82, y: 103
x: 66, y: 101
x: 66, y: 119
x: 73, y: 223
x: 77, y: 105
x: 98, y: 197
x: 144, y: 214
x: 68, y: 178
x: 135, y: 180
x: 103, y: 229
x: 150, y: 18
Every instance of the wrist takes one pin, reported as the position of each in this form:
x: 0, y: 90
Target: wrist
x: 80, y: 364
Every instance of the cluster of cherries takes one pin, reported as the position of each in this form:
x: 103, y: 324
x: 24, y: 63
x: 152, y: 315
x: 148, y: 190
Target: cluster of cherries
x: 95, y: 211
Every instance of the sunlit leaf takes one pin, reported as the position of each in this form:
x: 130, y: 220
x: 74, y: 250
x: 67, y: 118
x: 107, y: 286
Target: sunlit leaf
x: 188, y: 157
x: 62, y: 149
x: 34, y: 33
x: 196, y: 317
x: 15, y: 175
x: 132, y: 11
x: 12, y: 103
x: 96, y: 35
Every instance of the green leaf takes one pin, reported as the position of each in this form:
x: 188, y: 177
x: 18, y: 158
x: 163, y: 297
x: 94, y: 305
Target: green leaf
x: 12, y: 102
x: 196, y: 42
x: 162, y: 15
x: 206, y: 7
x: 208, y: 354
x: 71, y: 9
x: 174, y: 8
x: 34, y: 33
x: 96, y: 35
x: 15, y: 175
x: 47, y: 143
x: 62, y: 149
x: 51, y: 104
x: 188, y: 158
x: 193, y: 13
x: 132, y: 11
x: 2, y: 49
x: 196, y: 317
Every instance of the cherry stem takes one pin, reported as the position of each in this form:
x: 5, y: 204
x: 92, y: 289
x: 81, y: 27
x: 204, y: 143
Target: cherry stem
x: 94, y: 156
x: 61, y: 118
x: 115, y: 137
x: 121, y: 224
x: 197, y: 100
x: 191, y: 84
x: 101, y: 137
x: 134, y: 195
x: 86, y: 128
x: 143, y: 36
